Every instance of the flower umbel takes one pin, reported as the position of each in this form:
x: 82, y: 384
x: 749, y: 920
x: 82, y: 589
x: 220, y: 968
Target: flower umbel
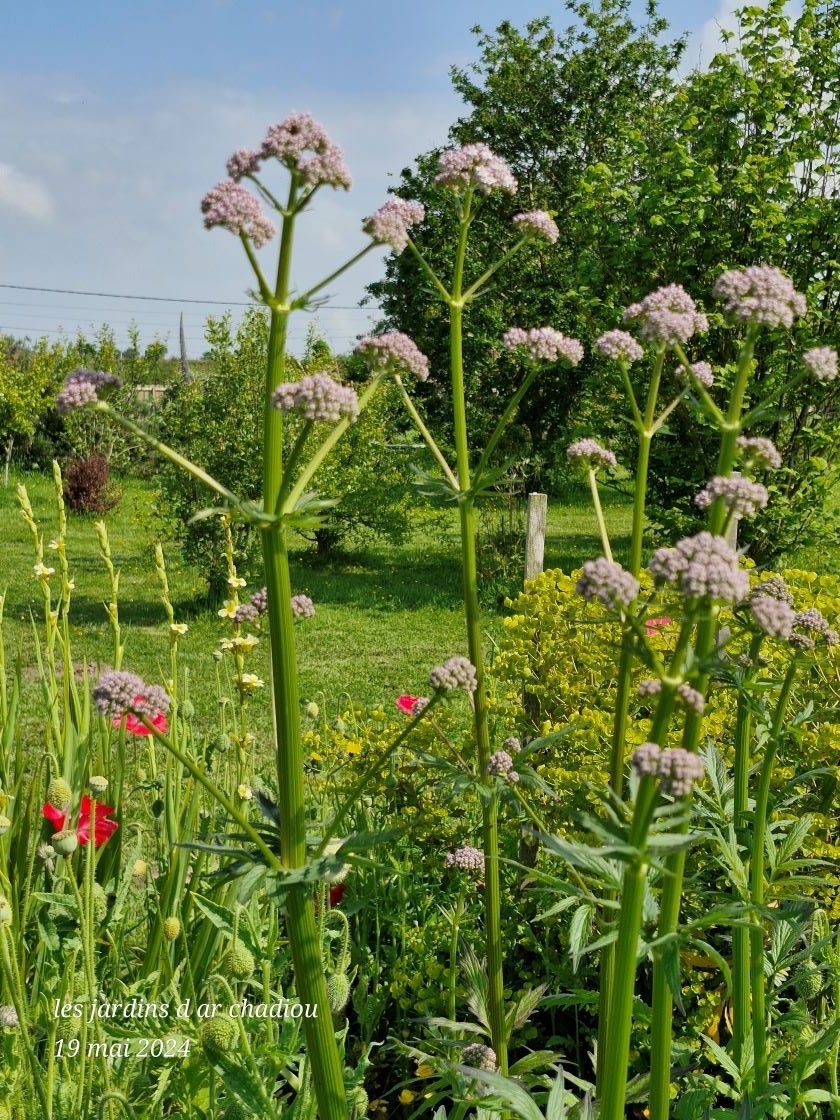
x: 543, y: 344
x: 317, y: 397
x: 667, y: 315
x: 458, y: 672
x: 703, y: 567
x: 759, y: 294
x: 465, y: 859
x: 389, y: 225
x: 393, y: 352
x: 589, y: 453
x: 739, y: 495
x: 621, y: 346
x: 474, y: 166
x: 292, y: 139
x: 232, y: 207
x: 821, y: 362
x: 608, y: 582
x: 81, y: 388
x: 537, y: 224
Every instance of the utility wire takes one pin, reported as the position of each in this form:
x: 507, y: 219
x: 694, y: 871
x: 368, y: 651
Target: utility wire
x: 156, y: 299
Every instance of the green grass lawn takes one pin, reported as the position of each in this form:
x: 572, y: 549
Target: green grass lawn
x: 384, y: 615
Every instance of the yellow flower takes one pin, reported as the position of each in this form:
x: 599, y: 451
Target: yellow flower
x: 42, y: 571
x: 406, y: 1096
x: 228, y: 610
x: 424, y: 1071
x: 245, y: 792
x: 235, y: 581
x: 225, y: 644
x: 178, y: 627
x: 245, y: 642
x: 249, y: 681
x: 352, y: 746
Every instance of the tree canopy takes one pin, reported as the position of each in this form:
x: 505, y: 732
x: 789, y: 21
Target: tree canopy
x: 654, y: 178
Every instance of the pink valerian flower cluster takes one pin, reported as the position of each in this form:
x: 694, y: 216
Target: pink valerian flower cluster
x: 701, y: 372
x: 302, y: 606
x: 539, y: 224
x: 457, y: 672
x: 124, y: 695
x: 291, y: 140
x: 474, y: 166
x: 677, y: 769
x: 317, y: 398
x: 389, y: 225
x: 689, y: 696
x: 759, y: 452
x: 544, y: 344
x: 500, y: 765
x: 393, y: 352
x: 249, y: 612
x: 773, y: 616
x: 243, y: 163
x: 668, y: 315
x: 740, y: 495
x: 620, y: 346
x: 772, y: 588
x: 821, y: 362
x: 702, y: 567
x: 81, y: 388
x: 759, y: 294
x: 465, y: 859
x: 231, y: 206
x: 608, y: 582
x: 589, y: 453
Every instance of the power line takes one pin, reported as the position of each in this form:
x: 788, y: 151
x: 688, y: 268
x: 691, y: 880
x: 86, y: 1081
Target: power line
x: 160, y: 299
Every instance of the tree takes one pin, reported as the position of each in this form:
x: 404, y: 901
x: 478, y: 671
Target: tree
x: 551, y: 104
x: 655, y: 181
x: 29, y: 380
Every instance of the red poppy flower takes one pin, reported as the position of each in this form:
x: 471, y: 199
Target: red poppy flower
x: 654, y: 625
x: 135, y: 726
x: 336, y: 894
x: 406, y: 703
x: 102, y: 827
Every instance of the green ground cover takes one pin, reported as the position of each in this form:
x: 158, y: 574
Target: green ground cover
x: 385, y: 614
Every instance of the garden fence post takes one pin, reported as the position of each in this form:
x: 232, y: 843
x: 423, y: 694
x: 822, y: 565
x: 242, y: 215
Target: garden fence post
x: 535, y: 535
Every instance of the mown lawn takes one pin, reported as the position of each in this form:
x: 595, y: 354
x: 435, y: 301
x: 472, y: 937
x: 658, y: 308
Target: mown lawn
x: 384, y: 614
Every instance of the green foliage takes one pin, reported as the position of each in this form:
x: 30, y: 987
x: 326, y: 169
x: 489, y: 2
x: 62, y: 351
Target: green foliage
x: 217, y: 423
x: 655, y: 180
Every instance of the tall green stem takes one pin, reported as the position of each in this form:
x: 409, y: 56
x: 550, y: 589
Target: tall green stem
x: 740, y: 934
x: 644, y: 428
x: 663, y: 1008
x: 756, y: 931
x: 490, y: 804
x: 300, y: 916
x: 620, y: 1008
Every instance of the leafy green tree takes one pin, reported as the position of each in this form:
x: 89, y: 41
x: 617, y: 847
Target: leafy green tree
x: 551, y: 104
x: 217, y: 422
x: 654, y: 180
x: 29, y: 380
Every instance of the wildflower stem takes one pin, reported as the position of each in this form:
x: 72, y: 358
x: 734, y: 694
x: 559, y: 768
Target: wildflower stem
x: 644, y: 425
x: 756, y: 931
x: 429, y: 271
x: 301, y: 301
x: 506, y: 417
x: 741, y: 1002
x: 300, y: 917
x: 663, y: 1009
x: 599, y: 514
x: 13, y: 982
x: 335, y: 434
x: 428, y: 438
x: 489, y: 804
x: 248, y: 511
x: 620, y: 1007
x: 476, y: 287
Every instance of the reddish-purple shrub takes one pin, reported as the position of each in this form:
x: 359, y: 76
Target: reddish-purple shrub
x: 87, y: 486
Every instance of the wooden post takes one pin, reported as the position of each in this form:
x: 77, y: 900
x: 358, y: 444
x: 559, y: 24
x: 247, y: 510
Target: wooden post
x: 535, y: 535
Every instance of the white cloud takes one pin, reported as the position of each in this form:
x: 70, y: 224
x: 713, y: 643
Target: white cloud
x: 24, y: 195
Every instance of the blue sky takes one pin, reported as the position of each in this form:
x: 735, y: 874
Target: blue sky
x: 115, y: 118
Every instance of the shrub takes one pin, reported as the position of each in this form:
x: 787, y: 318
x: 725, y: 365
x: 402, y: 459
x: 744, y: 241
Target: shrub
x: 87, y: 485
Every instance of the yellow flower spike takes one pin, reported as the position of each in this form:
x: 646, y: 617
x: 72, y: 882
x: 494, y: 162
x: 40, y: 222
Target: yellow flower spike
x: 235, y: 581
x: 228, y: 610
